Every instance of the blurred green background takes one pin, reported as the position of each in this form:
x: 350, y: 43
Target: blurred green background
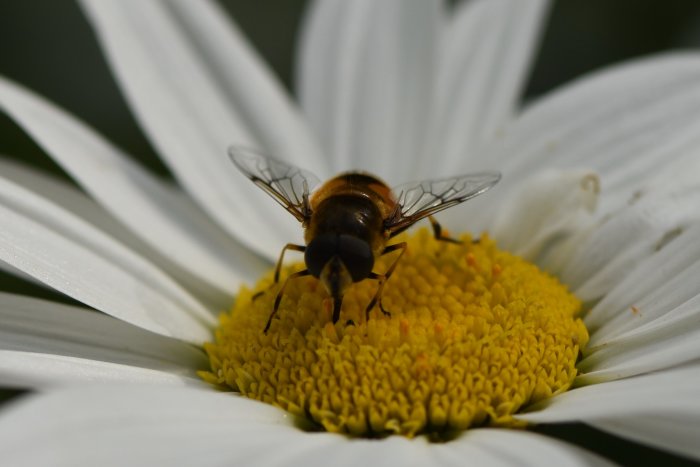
x: 48, y: 46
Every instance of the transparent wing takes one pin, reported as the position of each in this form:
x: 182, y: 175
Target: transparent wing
x: 288, y: 185
x: 418, y: 200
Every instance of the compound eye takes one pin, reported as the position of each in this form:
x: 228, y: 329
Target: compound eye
x: 319, y: 251
x: 357, y: 257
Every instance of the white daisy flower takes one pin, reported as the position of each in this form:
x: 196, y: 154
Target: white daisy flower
x: 600, y: 190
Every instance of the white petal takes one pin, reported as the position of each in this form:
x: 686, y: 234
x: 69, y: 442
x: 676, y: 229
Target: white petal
x: 604, y: 255
x: 9, y: 269
x: 657, y: 286
x: 185, y: 109
x: 70, y: 198
x: 482, y: 447
x: 634, y: 125
x: 597, y: 257
x: 544, y: 209
x: 38, y: 370
x: 32, y: 325
x: 663, y: 343
x: 487, y: 447
x: 247, y: 82
x: 661, y: 392
x: 621, y: 122
x: 365, y: 80
x: 676, y: 432
x: 183, y: 426
x: 512, y: 447
x: 669, y: 396
x: 73, y: 257
x: 352, y: 452
x: 89, y: 211
x: 486, y: 54
x: 142, y: 425
x: 651, y: 320
x: 152, y: 210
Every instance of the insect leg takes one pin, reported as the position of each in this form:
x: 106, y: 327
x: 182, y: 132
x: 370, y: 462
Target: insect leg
x: 288, y: 246
x: 337, y: 303
x: 278, y: 299
x: 278, y: 268
x: 437, y: 232
x: 382, y: 278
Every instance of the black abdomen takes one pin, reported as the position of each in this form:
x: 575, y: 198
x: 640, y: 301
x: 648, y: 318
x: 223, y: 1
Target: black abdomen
x: 347, y: 214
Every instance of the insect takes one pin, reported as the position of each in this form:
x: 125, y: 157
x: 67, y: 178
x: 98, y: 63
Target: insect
x: 349, y: 219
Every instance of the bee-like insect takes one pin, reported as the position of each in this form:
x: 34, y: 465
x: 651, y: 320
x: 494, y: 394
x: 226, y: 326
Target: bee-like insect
x: 349, y: 219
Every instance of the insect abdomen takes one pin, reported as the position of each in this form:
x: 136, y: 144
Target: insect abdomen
x: 346, y: 214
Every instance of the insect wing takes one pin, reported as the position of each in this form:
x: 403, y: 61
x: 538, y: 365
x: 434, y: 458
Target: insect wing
x: 288, y: 185
x: 418, y: 200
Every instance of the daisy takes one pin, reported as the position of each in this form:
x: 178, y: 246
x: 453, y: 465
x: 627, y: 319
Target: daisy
x: 600, y: 190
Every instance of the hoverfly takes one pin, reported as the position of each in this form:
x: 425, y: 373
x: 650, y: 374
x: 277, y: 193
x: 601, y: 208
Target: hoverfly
x: 349, y: 219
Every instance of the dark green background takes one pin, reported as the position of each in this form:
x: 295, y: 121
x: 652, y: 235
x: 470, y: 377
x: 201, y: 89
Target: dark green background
x: 48, y: 46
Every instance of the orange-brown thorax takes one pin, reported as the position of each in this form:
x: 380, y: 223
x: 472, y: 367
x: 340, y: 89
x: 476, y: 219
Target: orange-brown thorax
x: 354, y: 203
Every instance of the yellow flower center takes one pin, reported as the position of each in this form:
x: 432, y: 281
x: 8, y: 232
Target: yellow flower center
x: 475, y: 335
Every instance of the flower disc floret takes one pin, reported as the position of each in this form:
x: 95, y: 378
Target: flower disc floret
x: 475, y: 335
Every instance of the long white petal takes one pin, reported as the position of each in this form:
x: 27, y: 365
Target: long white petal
x: 187, y: 112
x: 75, y: 201
x: 487, y: 447
x: 486, y: 54
x: 660, y: 392
x: 635, y: 125
x: 53, y: 245
x: 39, y: 370
x: 9, y: 269
x: 183, y: 426
x: 663, y: 343
x: 152, y: 210
x: 385, y: 453
x: 675, y: 432
x: 669, y: 396
x: 365, y: 80
x: 658, y: 285
x: 650, y: 321
x: 601, y: 257
x: 40, y: 326
x: 545, y: 209
x: 511, y: 447
x: 143, y: 425
x: 246, y: 81
x: 627, y: 123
